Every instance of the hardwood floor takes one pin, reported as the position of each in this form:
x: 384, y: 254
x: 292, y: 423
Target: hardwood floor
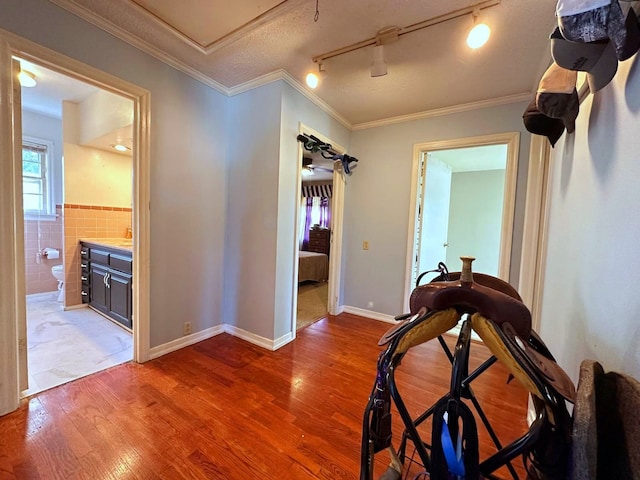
x: 226, y: 409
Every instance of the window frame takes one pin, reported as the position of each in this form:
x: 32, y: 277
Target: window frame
x: 48, y: 212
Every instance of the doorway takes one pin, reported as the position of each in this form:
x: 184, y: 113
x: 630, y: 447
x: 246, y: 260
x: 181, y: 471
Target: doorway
x: 319, y: 233
x: 14, y: 370
x: 464, y: 201
x: 86, y: 196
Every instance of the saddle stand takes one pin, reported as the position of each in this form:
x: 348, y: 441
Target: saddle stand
x: 452, y: 450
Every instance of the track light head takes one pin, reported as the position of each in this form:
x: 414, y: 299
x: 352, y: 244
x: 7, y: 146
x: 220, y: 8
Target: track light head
x: 378, y: 67
x: 479, y: 34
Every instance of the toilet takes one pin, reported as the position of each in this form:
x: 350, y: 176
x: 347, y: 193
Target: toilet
x: 58, y: 273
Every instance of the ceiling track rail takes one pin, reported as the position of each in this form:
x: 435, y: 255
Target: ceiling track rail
x: 396, y: 32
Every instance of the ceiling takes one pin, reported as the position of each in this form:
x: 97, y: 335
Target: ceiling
x: 53, y: 88
x: 473, y: 159
x: 228, y: 44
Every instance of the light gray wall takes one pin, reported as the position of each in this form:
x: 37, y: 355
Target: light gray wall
x: 47, y: 128
x: 590, y: 305
x: 261, y: 228
x: 377, y: 199
x: 253, y: 171
x: 188, y: 153
x: 296, y: 109
x: 476, y: 197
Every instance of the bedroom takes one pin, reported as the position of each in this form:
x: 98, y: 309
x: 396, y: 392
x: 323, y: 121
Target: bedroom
x: 314, y: 238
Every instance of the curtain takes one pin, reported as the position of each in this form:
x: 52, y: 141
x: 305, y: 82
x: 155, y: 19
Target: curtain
x: 314, y: 211
x: 308, y: 213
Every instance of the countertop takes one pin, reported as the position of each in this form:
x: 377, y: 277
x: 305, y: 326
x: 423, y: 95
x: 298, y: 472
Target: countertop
x: 120, y: 243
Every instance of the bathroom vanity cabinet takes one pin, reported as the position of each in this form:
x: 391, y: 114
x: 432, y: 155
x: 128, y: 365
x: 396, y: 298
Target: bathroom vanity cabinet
x: 107, y: 275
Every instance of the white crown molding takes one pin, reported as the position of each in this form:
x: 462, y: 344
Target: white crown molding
x: 225, y: 40
x: 293, y: 82
x: 182, y: 342
x: 125, y: 36
x: 361, y: 312
x: 465, y: 107
x: 134, y: 41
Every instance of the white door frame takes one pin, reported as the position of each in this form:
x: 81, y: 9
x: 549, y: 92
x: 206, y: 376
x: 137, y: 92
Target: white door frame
x: 534, y: 234
x: 337, y: 215
x: 11, y: 211
x: 512, y: 140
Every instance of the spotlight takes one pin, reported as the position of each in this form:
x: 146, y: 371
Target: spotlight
x: 312, y: 80
x: 378, y: 67
x: 27, y: 79
x: 479, y: 34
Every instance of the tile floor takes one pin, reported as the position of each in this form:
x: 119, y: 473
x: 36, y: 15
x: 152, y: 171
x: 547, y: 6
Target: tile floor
x: 66, y: 345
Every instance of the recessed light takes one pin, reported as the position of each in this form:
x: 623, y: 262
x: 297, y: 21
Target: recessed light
x: 119, y: 147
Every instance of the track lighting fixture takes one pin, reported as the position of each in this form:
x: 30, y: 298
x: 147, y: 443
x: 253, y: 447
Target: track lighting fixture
x: 312, y: 80
x: 477, y: 38
x: 479, y: 34
x: 378, y: 67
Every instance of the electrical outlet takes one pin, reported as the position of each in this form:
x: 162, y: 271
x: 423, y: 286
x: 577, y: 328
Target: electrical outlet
x: 365, y: 245
x: 370, y: 305
x: 186, y: 330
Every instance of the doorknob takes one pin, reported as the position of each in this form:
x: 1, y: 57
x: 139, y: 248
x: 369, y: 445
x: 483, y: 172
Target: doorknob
x: 445, y: 244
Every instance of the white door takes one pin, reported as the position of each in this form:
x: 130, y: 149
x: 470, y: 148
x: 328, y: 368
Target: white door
x: 434, y: 224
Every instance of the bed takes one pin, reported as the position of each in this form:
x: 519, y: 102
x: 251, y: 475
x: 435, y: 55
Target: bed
x: 313, y: 267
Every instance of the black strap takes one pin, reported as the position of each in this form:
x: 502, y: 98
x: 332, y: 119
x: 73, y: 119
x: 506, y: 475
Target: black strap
x: 456, y: 410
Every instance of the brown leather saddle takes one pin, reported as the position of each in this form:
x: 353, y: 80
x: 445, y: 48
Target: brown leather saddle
x: 495, y: 300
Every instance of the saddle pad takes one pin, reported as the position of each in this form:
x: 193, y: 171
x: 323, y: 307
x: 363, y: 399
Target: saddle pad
x: 430, y: 328
x: 495, y: 342
x: 421, y: 330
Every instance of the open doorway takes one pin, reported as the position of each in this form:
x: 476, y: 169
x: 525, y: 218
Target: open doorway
x: 318, y: 233
x: 14, y: 371
x: 464, y: 201
x: 77, y: 184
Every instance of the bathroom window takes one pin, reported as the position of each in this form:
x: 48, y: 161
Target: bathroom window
x: 36, y: 181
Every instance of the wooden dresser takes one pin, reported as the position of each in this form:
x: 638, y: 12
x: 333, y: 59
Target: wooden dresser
x: 319, y: 240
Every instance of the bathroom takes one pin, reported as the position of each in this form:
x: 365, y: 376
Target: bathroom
x: 76, y: 185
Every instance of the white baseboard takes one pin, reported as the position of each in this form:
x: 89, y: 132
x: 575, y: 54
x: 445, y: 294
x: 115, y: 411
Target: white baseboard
x: 383, y: 317
x: 257, y: 339
x: 182, y: 342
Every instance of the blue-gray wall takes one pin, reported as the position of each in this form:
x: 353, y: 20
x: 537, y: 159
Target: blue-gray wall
x: 590, y: 303
x: 378, y: 199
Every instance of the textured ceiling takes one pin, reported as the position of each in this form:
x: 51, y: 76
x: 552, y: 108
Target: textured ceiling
x: 428, y: 69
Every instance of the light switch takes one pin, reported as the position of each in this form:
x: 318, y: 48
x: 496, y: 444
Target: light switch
x: 365, y: 245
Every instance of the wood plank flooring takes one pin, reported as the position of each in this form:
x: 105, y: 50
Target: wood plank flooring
x: 226, y: 409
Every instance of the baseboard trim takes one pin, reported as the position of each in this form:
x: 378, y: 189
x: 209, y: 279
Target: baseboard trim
x: 182, y: 342
x: 382, y: 317
x: 257, y: 339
